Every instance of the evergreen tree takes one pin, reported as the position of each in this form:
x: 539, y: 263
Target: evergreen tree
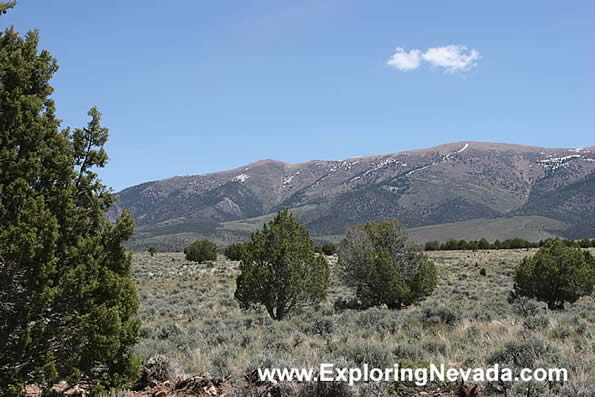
x: 67, y: 300
x: 200, y: 251
x: 433, y: 245
x: 556, y: 274
x: 450, y: 245
x: 382, y: 283
x: 234, y: 251
x: 585, y: 243
x: 483, y: 244
x: 384, y: 266
x: 280, y: 270
x: 329, y: 249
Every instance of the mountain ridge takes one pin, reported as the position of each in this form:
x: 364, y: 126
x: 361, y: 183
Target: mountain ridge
x: 452, y: 182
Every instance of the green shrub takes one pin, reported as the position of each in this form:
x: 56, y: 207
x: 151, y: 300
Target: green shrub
x: 322, y: 326
x: 375, y: 354
x: 233, y: 252
x: 280, y: 270
x: 432, y: 245
x: 555, y: 274
x: 515, y: 243
x: 534, y: 323
x: 201, y: 251
x: 482, y: 271
x: 450, y: 245
x: 329, y: 248
x: 370, y: 318
x: 384, y: 266
x: 483, y: 244
x: 522, y: 354
x: 433, y: 315
x: 525, y: 307
x: 222, y: 362
x: 519, y: 354
x: 342, y: 303
x: 151, y: 251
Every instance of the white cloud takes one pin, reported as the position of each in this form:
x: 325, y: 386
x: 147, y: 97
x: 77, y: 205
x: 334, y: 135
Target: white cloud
x: 404, y: 60
x: 452, y: 58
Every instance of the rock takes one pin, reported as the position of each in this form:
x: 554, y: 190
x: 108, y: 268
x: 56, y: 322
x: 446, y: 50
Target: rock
x: 467, y: 391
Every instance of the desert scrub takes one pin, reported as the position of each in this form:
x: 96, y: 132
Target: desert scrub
x: 433, y: 315
x: 159, y: 368
x: 215, y: 337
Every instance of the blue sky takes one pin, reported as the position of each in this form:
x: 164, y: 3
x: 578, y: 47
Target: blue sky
x: 189, y: 87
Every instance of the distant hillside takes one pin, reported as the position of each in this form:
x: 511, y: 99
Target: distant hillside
x: 450, y: 184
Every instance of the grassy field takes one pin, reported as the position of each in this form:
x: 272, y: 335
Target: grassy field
x: 532, y: 228
x: 190, y: 316
x: 174, y: 235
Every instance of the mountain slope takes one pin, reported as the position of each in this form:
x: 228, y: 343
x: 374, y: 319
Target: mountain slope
x: 444, y: 184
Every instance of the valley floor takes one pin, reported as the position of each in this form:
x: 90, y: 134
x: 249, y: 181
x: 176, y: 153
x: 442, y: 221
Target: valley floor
x: 190, y: 316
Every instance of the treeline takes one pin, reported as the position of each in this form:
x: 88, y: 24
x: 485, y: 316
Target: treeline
x: 514, y: 243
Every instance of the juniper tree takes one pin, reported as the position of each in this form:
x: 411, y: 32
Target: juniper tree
x: 384, y: 266
x: 280, y: 270
x: 200, y: 251
x: 556, y: 274
x: 67, y: 298
x: 234, y: 251
x: 329, y: 249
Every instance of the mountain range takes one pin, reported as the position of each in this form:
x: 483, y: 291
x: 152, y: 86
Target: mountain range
x: 458, y: 190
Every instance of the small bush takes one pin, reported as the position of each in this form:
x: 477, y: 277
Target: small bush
x: 347, y: 303
x: 433, y: 315
x: 585, y: 243
x: 525, y: 307
x: 166, y: 331
x: 329, y: 249
x: 222, y: 362
x: 158, y: 368
x: 482, y: 271
x: 322, y: 326
x: 432, y: 245
x: 534, y: 323
x: 522, y: 354
x: 367, y: 352
x: 234, y: 251
x: 201, y: 251
x: 370, y: 318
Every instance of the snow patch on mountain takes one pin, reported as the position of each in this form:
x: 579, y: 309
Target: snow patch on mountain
x: 555, y: 163
x: 240, y: 178
x: 463, y: 149
x: 287, y: 181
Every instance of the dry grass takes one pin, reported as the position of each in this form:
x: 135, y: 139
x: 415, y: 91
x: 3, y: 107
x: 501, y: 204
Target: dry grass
x: 189, y: 314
